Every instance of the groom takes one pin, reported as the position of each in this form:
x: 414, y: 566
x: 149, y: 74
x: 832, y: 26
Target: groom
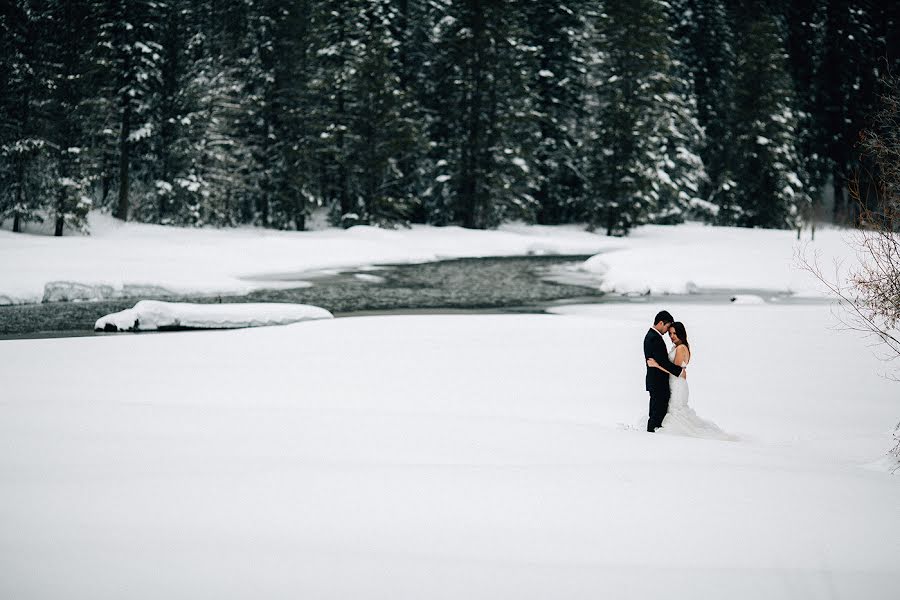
x: 657, y: 380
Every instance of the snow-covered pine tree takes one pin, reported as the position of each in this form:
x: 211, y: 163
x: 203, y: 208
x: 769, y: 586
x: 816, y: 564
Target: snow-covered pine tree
x: 644, y: 161
x: 855, y: 54
x: 369, y: 138
x: 67, y: 40
x: 805, y: 27
x: 561, y: 35
x: 387, y: 138
x: 200, y: 155
x: 294, y: 127
x: 414, y: 55
x: 27, y: 168
x: 334, y: 65
x: 127, y: 68
x: 769, y: 167
x: 273, y: 68
x: 433, y: 25
x: 175, y: 191
x: 681, y: 166
x: 706, y: 47
x: 483, y: 126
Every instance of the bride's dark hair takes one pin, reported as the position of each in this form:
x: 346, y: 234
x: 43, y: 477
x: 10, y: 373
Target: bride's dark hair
x: 678, y: 326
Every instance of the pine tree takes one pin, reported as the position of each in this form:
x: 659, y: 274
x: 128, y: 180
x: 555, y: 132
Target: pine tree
x: 27, y: 167
x: 708, y: 51
x: 127, y: 66
x: 171, y: 146
x: 332, y: 70
x: 853, y: 58
x: 70, y: 33
x: 369, y: 139
x: 195, y: 152
x: 266, y: 60
x: 645, y: 164
x: 413, y: 63
x: 560, y: 34
x: 805, y: 26
x: 483, y: 129
x: 385, y: 136
x: 770, y: 170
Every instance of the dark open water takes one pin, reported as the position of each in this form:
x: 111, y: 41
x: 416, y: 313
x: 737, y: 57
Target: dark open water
x: 474, y: 284
x: 505, y: 284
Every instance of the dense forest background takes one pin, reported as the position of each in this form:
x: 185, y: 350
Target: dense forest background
x: 469, y: 112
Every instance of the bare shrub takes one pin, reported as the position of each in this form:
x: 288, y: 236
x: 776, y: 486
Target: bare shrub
x: 870, y: 295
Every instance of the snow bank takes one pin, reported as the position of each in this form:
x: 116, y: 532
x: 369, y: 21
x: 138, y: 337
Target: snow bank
x: 691, y: 258
x: 448, y: 457
x: 151, y: 315
x: 121, y: 258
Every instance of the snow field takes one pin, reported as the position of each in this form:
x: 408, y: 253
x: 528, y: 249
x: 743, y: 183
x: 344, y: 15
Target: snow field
x: 447, y: 457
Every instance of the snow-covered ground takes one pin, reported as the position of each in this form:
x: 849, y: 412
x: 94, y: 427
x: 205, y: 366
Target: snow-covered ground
x: 133, y: 260
x: 448, y: 457
x: 692, y: 257
x: 152, y: 315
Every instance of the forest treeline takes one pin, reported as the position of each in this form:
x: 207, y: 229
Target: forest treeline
x: 468, y: 112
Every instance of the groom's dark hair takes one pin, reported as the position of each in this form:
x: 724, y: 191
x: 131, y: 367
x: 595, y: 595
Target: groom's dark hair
x: 663, y: 316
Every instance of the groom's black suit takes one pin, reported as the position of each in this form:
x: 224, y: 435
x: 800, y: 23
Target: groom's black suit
x: 658, y: 381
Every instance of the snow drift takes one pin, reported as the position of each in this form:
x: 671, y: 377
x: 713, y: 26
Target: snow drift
x: 153, y: 315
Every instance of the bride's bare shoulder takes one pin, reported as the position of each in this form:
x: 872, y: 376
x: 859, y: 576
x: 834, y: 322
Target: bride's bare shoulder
x: 682, y: 354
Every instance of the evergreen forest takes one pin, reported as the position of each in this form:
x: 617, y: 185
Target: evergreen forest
x: 612, y: 113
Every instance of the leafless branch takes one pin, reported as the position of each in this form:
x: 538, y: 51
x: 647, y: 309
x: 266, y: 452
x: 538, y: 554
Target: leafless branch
x: 870, y: 295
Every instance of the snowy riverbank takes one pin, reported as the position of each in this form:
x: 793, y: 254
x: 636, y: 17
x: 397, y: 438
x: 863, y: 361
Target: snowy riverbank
x: 136, y: 260
x: 448, y: 457
x: 130, y: 259
x: 692, y: 257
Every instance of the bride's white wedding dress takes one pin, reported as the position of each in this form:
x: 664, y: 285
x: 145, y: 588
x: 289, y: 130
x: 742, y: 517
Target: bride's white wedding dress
x: 681, y: 419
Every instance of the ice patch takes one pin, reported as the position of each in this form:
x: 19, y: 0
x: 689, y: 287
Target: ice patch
x: 369, y: 278
x: 153, y: 315
x: 72, y: 291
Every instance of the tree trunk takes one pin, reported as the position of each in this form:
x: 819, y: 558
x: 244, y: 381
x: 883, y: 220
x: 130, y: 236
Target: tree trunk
x: 106, y: 182
x: 840, y: 204
x: 343, y: 191
x: 60, y: 207
x: 124, y: 148
x: 472, y: 153
x: 20, y: 175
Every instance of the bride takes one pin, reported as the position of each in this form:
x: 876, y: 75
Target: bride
x: 680, y: 418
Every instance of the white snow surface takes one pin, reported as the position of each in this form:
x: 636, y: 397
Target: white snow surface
x: 692, y: 257
x: 448, y: 457
x: 151, y: 315
x: 132, y: 259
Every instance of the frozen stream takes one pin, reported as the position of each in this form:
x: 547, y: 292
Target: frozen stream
x: 500, y: 284
x: 473, y: 284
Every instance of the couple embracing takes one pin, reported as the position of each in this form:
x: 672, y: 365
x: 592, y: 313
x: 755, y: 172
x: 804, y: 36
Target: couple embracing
x: 667, y: 382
